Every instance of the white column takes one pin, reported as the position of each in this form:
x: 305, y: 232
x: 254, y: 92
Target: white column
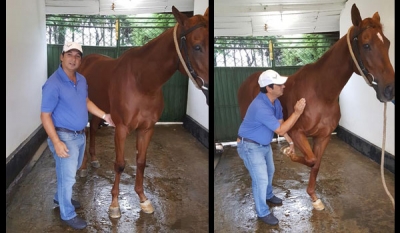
x: 197, y: 107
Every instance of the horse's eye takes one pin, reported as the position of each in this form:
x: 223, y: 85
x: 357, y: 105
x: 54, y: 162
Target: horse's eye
x: 197, y: 48
x: 366, y: 46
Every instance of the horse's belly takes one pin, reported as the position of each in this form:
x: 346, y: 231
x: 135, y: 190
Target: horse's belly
x: 135, y: 109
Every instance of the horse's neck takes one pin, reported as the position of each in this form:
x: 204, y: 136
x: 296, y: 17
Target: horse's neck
x: 335, y: 70
x: 158, y: 60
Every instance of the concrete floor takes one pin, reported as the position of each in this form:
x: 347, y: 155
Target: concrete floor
x: 348, y: 183
x: 176, y: 181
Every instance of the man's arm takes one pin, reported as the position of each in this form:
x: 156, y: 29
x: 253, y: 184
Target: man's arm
x: 288, y: 124
x: 93, y: 109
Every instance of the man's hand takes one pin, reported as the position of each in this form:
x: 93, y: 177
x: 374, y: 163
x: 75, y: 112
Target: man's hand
x: 61, y: 149
x: 108, y: 119
x: 300, y: 105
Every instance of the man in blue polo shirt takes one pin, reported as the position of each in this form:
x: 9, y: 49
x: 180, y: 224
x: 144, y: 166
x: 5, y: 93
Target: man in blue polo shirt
x: 263, y: 118
x: 64, y: 115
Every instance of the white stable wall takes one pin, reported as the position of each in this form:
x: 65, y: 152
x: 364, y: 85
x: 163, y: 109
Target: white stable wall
x: 26, y: 69
x: 362, y: 113
x: 197, y: 107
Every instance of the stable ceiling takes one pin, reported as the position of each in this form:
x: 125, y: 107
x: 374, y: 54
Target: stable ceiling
x: 274, y: 17
x: 231, y: 17
x: 116, y: 7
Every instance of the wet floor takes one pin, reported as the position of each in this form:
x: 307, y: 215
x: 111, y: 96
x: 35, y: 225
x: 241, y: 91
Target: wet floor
x: 349, y: 185
x: 176, y: 181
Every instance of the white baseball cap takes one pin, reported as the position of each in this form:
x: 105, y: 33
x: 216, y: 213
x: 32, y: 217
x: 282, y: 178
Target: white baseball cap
x: 72, y: 45
x: 270, y: 77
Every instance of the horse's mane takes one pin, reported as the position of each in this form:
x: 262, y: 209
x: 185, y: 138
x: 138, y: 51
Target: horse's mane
x: 366, y: 23
x: 166, y: 34
x: 320, y: 60
x: 139, y: 49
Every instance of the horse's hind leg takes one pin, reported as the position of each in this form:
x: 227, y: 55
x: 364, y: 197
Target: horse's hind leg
x: 121, y: 133
x: 83, y: 171
x: 142, y: 142
x: 94, y: 126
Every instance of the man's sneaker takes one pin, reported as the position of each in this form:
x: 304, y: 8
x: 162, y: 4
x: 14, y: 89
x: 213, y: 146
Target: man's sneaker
x: 275, y: 200
x: 76, y: 204
x: 270, y: 219
x: 76, y: 223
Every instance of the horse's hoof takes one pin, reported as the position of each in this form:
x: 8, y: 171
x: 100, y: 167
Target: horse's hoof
x: 286, y: 150
x: 83, y: 172
x: 318, y: 205
x: 147, y: 207
x: 114, y: 212
x: 95, y: 164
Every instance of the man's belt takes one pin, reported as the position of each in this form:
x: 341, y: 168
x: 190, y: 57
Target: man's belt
x: 248, y: 140
x: 70, y: 131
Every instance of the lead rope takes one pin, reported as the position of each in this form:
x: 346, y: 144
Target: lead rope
x: 383, y: 154
x: 384, y: 118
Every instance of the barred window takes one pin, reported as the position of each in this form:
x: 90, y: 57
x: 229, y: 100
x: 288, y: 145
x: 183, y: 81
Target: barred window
x: 296, y: 50
x: 107, y: 30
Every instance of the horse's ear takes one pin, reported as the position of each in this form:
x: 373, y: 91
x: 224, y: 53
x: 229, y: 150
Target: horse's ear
x: 180, y: 17
x: 355, y: 16
x: 376, y: 17
x: 206, y: 14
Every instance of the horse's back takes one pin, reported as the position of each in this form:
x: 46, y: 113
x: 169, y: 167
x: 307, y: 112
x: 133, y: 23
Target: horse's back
x: 92, y: 61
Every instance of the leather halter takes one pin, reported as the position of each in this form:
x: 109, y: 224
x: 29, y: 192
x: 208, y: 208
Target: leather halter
x: 355, y: 54
x: 186, y: 63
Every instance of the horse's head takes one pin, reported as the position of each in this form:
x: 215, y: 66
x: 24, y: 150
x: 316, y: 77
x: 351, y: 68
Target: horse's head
x: 192, y: 34
x: 371, y: 52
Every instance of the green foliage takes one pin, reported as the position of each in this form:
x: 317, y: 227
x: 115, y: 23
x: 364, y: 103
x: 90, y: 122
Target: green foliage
x: 296, y: 50
x: 102, y: 30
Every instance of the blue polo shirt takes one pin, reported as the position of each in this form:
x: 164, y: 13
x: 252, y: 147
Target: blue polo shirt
x: 66, y: 101
x: 261, y: 120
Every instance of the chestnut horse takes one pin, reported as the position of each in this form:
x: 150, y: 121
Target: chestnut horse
x: 364, y: 51
x: 130, y: 89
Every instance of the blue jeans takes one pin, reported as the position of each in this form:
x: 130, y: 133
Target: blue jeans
x: 66, y: 169
x: 260, y: 164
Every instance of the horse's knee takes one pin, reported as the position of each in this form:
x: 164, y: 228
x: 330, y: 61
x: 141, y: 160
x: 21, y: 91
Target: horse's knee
x: 119, y: 167
x: 311, y: 161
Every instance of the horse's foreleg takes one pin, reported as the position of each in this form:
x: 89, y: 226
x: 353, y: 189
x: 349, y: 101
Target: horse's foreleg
x: 142, y: 142
x: 121, y: 133
x: 301, y: 141
x: 318, y: 149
